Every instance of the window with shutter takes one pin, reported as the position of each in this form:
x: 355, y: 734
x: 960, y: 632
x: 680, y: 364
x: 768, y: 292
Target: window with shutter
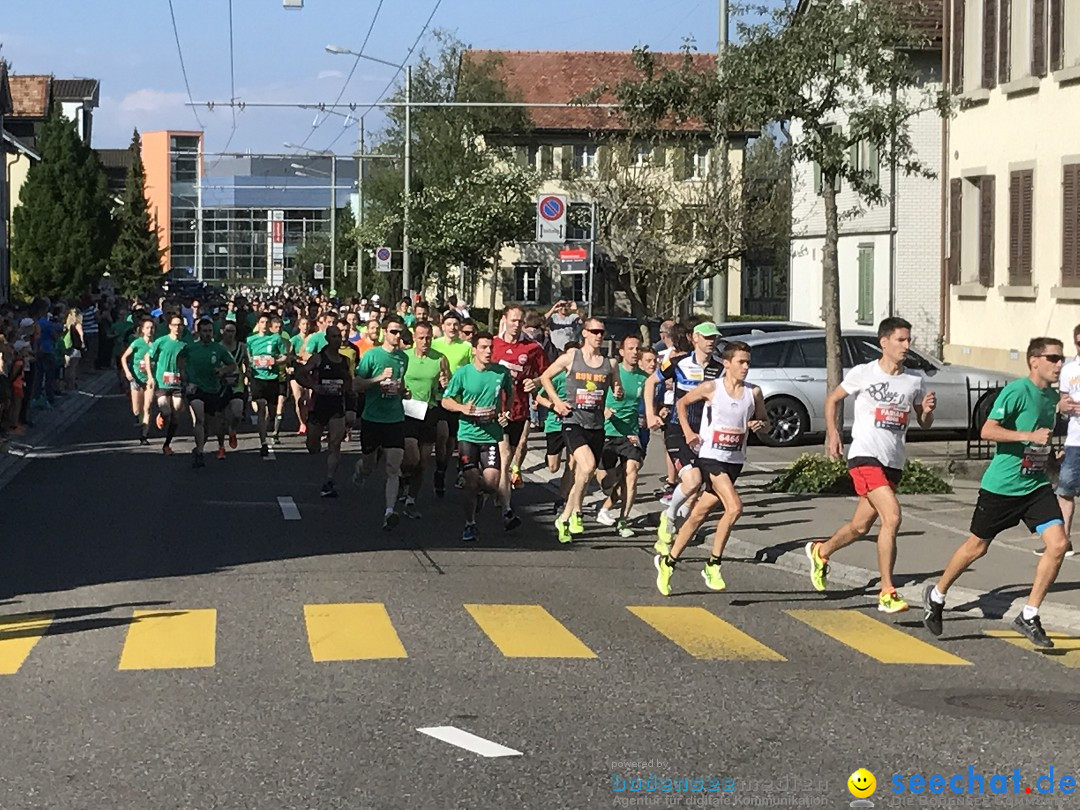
x: 1057, y: 34
x: 1070, y: 225
x: 1020, y: 202
x: 865, y: 313
x: 989, y: 43
x: 1038, y: 37
x: 958, y: 46
x: 956, y: 212
x: 986, y: 231
x: 1004, y: 40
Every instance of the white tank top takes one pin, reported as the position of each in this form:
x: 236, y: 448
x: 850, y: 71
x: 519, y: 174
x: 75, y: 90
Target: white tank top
x: 724, y: 425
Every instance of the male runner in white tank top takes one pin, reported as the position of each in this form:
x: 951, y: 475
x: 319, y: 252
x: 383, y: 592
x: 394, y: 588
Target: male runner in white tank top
x: 733, y: 407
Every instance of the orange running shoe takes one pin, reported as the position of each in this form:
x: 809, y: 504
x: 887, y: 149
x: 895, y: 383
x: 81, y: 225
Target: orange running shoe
x: 221, y: 453
x: 232, y: 439
x: 166, y: 450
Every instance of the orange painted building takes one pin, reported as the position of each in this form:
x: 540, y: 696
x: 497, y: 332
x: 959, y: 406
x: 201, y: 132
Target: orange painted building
x: 173, y: 163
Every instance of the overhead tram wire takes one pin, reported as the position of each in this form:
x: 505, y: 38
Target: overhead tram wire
x: 356, y: 62
x: 401, y: 67
x: 183, y: 67
x: 232, y: 87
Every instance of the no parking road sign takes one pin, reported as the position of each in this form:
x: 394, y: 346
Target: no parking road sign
x: 551, y: 218
x: 382, y: 259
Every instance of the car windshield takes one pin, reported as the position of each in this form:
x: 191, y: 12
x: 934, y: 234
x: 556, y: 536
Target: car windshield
x: 866, y: 350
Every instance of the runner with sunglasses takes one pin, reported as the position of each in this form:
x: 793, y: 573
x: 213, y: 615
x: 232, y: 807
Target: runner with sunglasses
x: 589, y: 376
x: 380, y: 377
x: 1016, y: 487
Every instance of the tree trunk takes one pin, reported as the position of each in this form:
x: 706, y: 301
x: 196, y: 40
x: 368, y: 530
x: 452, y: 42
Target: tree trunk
x: 830, y: 293
x: 496, y: 283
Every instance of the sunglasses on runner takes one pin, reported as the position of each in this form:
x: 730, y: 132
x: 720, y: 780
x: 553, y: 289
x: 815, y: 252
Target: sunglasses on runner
x: 394, y: 331
x: 1053, y: 358
x: 595, y: 331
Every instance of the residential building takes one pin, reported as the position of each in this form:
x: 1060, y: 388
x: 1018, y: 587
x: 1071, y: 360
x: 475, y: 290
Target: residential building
x: 568, y: 143
x: 236, y: 218
x: 887, y: 255
x: 1011, y: 268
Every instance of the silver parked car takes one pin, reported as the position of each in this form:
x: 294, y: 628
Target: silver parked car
x: 790, y: 368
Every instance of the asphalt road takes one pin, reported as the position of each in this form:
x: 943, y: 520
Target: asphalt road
x: 167, y: 639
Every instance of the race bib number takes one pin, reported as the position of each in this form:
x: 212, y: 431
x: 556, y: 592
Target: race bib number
x: 330, y: 388
x: 483, y: 414
x: 390, y: 389
x: 263, y: 361
x: 1035, y: 460
x: 728, y: 439
x: 641, y: 423
x: 890, y: 417
x: 170, y: 379
x: 589, y: 400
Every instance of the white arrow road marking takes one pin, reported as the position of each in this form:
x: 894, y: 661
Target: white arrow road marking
x: 288, y: 508
x: 470, y: 742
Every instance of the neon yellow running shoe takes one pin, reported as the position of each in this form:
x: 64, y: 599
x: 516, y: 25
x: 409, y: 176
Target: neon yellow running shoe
x: 577, y: 526
x: 662, y: 548
x: 664, y: 570
x: 714, y: 580
x: 891, y: 603
x: 563, y: 529
x: 819, y: 568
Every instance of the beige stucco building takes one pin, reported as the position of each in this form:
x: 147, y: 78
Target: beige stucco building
x: 1011, y: 268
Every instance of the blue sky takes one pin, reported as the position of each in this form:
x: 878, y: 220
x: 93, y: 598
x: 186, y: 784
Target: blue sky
x: 279, y: 54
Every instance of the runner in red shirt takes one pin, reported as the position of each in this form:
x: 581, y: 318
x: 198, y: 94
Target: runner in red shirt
x: 526, y: 360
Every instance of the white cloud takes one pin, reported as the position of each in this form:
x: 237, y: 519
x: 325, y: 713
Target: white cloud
x: 331, y: 74
x: 149, y: 100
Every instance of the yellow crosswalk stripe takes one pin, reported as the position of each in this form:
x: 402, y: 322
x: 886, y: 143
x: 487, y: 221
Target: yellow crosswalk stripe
x: 1066, y: 649
x: 875, y: 639
x: 18, y: 635
x: 170, y: 639
x: 527, y: 631
x: 351, y: 631
x: 705, y: 635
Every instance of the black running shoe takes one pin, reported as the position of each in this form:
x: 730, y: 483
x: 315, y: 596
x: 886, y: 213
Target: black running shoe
x: 328, y: 490
x: 390, y: 521
x: 932, y: 616
x: 264, y: 451
x: 510, y: 520
x: 145, y: 442
x: 1033, y: 629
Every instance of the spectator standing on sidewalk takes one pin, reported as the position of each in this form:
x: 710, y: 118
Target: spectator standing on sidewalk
x: 564, y: 324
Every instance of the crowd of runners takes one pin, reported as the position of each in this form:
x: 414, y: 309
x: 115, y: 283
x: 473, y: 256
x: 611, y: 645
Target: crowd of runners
x: 421, y: 389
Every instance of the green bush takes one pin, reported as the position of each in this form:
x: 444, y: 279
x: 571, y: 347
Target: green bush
x: 816, y: 473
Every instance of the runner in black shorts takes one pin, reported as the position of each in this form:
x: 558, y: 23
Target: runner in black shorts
x: 207, y: 363
x: 1016, y: 487
x: 329, y: 376
x: 554, y: 440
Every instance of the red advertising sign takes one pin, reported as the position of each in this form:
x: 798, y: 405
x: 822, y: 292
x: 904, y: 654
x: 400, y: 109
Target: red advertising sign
x: 279, y: 231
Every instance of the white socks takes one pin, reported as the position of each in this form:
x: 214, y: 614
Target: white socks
x: 1030, y: 612
x: 937, y: 596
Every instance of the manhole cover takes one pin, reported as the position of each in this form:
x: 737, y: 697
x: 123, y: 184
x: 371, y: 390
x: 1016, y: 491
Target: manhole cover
x: 1021, y: 706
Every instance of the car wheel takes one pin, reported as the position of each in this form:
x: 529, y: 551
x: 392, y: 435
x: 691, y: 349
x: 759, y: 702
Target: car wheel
x: 788, y: 422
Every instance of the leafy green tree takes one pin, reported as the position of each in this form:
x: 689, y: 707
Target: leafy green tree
x: 316, y: 250
x: 136, y: 254
x: 844, y: 74
x: 62, y: 229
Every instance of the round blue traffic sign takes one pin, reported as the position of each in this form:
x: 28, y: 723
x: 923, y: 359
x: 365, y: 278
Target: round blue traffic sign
x: 383, y: 254
x: 552, y: 209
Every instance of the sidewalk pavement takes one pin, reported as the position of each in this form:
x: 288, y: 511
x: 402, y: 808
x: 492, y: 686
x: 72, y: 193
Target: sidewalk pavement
x: 15, y: 450
x: 775, y: 528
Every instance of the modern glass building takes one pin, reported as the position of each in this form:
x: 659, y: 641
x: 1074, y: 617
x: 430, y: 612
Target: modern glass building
x: 238, y: 218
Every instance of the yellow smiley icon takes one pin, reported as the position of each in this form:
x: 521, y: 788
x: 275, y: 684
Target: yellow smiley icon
x: 862, y: 784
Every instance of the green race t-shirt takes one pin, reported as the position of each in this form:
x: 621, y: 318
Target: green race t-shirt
x: 139, y: 349
x: 422, y: 375
x: 409, y: 319
x: 1019, y: 468
x: 297, y: 343
x: 165, y: 354
x: 382, y: 402
x: 624, y: 417
x: 203, y: 361
x: 264, y: 351
x: 316, y: 342
x: 485, y: 390
x: 552, y: 422
x: 458, y: 352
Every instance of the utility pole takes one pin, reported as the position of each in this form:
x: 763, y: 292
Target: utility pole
x: 405, y: 278
x: 333, y: 221
x: 360, y: 213
x: 720, y: 280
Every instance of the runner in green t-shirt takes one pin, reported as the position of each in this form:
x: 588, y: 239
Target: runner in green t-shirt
x: 426, y: 374
x: 277, y: 327
x: 133, y: 367
x: 267, y: 352
x: 297, y: 358
x: 458, y: 353
x: 166, y: 360
x: 1016, y: 487
x: 482, y: 393
x: 553, y: 436
x: 623, y: 455
x: 208, y: 363
x: 380, y: 377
